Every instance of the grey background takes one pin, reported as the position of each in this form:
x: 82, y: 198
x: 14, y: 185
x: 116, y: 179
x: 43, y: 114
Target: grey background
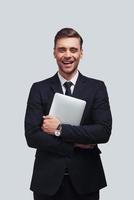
x: 27, y: 29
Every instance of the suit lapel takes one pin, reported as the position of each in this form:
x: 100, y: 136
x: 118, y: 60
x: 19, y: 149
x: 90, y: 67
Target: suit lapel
x: 80, y: 87
x: 80, y: 91
x: 56, y: 85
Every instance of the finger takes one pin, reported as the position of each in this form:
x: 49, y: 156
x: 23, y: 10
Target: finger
x: 44, y: 126
x: 43, y: 129
x: 47, y: 117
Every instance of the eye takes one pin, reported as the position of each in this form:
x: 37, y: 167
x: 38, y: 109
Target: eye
x: 73, y: 50
x: 61, y: 50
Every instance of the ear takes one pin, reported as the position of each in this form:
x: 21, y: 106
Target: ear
x: 54, y: 53
x: 81, y: 53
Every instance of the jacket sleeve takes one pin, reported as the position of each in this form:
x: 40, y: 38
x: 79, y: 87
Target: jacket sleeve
x: 99, y: 130
x: 35, y: 137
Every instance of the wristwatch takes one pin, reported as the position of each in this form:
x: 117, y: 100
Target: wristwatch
x: 57, y: 132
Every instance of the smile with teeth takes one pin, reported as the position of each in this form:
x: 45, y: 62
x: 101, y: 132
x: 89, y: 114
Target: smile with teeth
x: 67, y: 62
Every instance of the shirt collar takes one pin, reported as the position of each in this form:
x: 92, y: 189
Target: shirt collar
x: 73, y: 80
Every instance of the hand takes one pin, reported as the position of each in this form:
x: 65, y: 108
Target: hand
x: 50, y: 124
x: 85, y: 146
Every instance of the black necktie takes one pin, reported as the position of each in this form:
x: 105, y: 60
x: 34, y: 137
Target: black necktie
x: 68, y: 85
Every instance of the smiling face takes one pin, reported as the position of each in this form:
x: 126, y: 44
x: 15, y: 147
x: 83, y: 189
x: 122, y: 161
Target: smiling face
x: 68, y: 53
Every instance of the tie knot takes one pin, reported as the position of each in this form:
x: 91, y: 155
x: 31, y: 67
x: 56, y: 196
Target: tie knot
x: 68, y: 84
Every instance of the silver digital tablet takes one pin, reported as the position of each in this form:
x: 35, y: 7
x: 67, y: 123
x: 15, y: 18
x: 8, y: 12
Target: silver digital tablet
x: 68, y: 110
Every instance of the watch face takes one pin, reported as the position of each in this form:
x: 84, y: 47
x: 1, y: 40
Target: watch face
x: 57, y: 133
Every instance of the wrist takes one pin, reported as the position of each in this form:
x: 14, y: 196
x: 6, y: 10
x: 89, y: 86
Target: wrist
x: 58, y: 130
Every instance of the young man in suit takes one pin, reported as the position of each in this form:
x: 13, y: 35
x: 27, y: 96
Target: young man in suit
x: 67, y: 164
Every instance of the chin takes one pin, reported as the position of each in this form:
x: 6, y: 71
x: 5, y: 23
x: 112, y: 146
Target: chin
x: 68, y: 69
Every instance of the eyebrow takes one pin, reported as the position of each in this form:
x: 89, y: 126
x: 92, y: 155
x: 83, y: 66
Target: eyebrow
x: 69, y: 48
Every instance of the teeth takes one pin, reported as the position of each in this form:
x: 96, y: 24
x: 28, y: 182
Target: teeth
x: 68, y: 62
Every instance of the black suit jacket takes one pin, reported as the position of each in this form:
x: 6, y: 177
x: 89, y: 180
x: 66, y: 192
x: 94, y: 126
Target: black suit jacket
x: 53, y: 153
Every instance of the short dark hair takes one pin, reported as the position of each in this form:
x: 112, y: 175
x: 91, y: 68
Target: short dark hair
x: 66, y: 33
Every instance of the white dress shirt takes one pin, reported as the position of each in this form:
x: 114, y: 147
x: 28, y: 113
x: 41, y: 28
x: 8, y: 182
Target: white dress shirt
x: 73, y: 80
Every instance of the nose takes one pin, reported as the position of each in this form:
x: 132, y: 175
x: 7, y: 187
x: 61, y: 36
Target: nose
x: 67, y: 54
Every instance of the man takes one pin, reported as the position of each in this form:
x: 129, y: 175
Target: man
x: 67, y: 164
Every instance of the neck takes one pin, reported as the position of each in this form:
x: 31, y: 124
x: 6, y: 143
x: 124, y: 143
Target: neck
x: 67, y: 76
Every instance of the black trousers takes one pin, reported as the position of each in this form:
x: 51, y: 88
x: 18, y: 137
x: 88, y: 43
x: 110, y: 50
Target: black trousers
x: 67, y: 192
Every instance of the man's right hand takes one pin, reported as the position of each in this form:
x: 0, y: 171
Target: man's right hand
x: 85, y: 146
